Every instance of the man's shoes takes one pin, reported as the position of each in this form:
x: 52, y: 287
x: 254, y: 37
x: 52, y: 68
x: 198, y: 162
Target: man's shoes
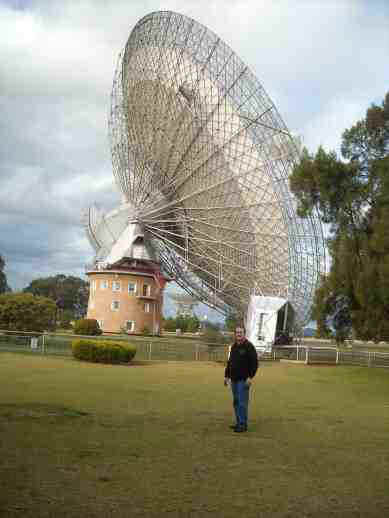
x: 233, y: 426
x: 240, y: 429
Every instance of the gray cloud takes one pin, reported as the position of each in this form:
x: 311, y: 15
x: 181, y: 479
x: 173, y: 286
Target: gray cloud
x: 322, y: 62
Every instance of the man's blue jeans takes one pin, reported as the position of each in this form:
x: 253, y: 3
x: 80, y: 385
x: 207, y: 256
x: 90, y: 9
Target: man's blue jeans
x: 240, y: 394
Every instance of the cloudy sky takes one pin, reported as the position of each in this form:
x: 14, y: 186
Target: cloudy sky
x: 321, y: 61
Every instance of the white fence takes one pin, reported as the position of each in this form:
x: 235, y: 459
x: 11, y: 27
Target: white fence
x: 331, y: 356
x: 166, y: 348
x: 146, y: 349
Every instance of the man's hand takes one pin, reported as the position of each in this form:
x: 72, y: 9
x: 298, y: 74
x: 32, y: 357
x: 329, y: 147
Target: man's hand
x: 226, y: 382
x: 249, y: 382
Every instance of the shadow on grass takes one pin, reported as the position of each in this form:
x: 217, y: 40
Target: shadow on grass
x: 38, y: 410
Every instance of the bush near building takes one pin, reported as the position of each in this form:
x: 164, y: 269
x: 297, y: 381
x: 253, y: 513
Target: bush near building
x: 103, y: 351
x: 87, y: 326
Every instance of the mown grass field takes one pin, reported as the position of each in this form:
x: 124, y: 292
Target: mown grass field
x: 152, y: 440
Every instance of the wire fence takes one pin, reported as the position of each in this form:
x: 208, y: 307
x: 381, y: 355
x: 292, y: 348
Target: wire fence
x: 146, y: 349
x: 168, y: 348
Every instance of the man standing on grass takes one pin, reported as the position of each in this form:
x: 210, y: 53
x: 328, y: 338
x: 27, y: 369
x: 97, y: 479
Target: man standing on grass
x: 240, y: 370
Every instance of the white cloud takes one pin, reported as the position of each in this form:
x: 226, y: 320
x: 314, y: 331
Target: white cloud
x: 327, y: 127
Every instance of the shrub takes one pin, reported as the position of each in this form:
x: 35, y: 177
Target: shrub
x: 103, y: 351
x: 87, y: 326
x: 169, y: 324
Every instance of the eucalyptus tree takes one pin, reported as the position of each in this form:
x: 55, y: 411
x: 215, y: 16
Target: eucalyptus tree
x: 3, y: 278
x: 351, y: 193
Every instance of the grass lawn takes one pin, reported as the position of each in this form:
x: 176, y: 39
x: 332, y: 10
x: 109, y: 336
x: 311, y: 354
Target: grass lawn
x: 152, y: 440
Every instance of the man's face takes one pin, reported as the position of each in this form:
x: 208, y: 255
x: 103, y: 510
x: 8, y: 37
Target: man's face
x: 239, y: 334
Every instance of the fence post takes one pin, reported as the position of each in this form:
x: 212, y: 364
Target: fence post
x: 150, y: 351
x: 337, y: 356
x: 197, y: 352
x: 297, y: 353
x: 43, y: 344
x: 307, y: 355
x: 369, y: 359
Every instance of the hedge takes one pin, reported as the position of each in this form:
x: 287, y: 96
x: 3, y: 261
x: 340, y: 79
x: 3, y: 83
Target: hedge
x: 87, y: 326
x: 103, y: 351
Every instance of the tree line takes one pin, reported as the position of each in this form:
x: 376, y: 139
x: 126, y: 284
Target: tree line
x: 351, y: 195
x: 45, y: 303
x: 186, y: 323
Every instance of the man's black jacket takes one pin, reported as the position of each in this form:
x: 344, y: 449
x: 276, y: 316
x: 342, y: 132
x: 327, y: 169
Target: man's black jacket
x: 243, y: 361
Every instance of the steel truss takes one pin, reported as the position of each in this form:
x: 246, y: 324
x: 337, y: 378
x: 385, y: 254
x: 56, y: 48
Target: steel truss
x: 202, y: 159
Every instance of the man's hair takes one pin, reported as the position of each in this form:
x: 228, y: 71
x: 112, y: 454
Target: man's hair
x: 240, y: 326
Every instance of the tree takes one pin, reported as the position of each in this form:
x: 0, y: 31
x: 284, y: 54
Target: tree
x: 351, y: 195
x: 69, y: 293
x: 66, y: 319
x: 25, y: 312
x: 193, y: 324
x: 186, y: 323
x: 3, y: 278
x: 232, y: 321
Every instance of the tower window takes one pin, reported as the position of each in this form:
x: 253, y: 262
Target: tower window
x: 146, y: 290
x: 115, y: 305
x: 103, y: 285
x: 132, y: 288
x: 130, y: 326
x: 116, y: 286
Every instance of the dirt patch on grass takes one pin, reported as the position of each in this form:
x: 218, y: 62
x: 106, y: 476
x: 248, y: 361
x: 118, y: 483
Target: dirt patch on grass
x: 37, y: 411
x: 142, y: 363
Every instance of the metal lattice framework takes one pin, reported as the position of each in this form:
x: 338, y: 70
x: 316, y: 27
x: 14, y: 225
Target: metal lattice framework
x: 202, y: 159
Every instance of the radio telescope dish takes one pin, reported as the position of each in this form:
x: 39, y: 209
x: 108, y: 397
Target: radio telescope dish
x: 202, y: 158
